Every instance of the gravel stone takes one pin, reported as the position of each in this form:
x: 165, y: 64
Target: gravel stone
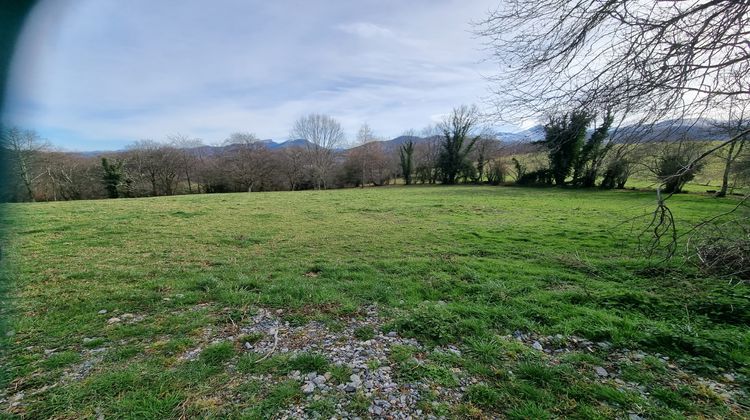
x: 319, y: 380
x: 308, y: 388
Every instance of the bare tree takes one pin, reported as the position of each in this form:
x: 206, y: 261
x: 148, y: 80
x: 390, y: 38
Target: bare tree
x: 324, y: 135
x: 247, y: 160
x: 736, y: 123
x: 426, y: 154
x: 658, y: 59
x: 188, y: 155
x: 72, y: 177
x: 241, y: 137
x: 647, y: 61
x: 381, y: 166
x: 292, y: 166
x: 25, y: 149
x: 157, y: 164
x: 485, y: 150
x: 364, y: 136
x: 291, y: 162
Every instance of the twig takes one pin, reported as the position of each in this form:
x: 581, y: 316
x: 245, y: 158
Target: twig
x: 275, y: 343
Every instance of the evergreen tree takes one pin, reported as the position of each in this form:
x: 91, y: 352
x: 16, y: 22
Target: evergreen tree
x: 592, y: 155
x: 113, y: 176
x: 563, y: 137
x: 405, y: 153
x: 456, y: 142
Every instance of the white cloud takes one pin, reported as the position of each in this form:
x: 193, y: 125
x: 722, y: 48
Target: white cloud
x: 91, y: 73
x: 366, y: 30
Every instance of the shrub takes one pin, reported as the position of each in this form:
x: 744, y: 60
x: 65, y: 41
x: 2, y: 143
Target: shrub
x: 676, y: 167
x: 496, y: 173
x: 616, y: 174
x: 518, y: 168
x: 723, y: 250
x: 537, y: 177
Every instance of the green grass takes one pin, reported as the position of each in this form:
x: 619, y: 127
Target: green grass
x: 453, y: 265
x: 308, y: 362
x: 340, y: 373
x: 364, y: 333
x: 218, y: 353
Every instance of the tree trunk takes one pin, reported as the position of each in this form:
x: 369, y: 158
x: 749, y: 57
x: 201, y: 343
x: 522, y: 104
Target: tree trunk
x: 190, y: 186
x: 153, y: 185
x: 26, y: 179
x: 731, y: 156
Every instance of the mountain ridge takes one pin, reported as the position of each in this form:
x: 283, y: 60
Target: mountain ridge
x: 670, y: 130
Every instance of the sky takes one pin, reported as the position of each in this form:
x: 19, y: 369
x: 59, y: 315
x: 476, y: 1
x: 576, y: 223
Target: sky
x: 101, y: 74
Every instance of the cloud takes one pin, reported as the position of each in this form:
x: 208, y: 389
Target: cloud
x: 366, y: 30
x: 91, y: 74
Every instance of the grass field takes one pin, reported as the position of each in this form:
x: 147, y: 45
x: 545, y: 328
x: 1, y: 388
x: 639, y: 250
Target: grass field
x: 474, y: 301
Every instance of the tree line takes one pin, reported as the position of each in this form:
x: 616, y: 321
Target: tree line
x: 579, y: 148
x: 447, y: 152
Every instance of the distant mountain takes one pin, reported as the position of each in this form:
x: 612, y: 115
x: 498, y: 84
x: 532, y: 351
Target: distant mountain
x: 529, y: 135
x: 670, y: 130
x: 395, y: 144
x: 95, y: 153
x: 293, y: 143
x: 270, y: 144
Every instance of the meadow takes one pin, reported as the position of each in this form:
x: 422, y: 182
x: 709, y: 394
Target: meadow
x: 455, y: 302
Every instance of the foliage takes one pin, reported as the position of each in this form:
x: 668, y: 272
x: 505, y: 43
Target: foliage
x: 308, y: 362
x: 676, y: 166
x: 616, y: 174
x: 483, y: 396
x: 537, y: 177
x: 518, y: 168
x: 364, y: 333
x: 406, y: 152
x: 563, y: 138
x: 457, y: 142
x: 592, y: 154
x: 113, y: 177
x: 496, y: 173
